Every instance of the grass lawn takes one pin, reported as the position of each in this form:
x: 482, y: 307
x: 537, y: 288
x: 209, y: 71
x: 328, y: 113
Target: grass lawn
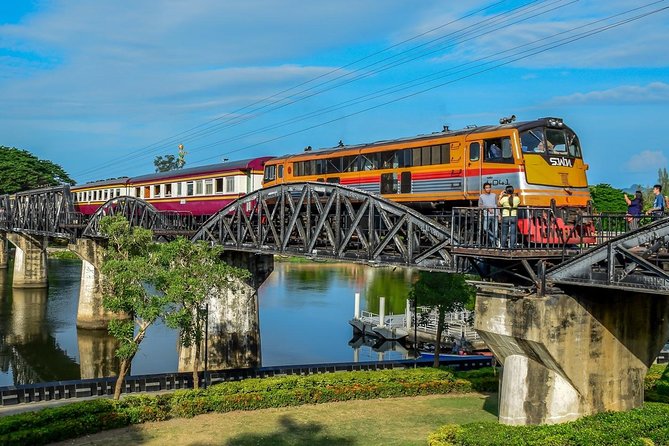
x: 395, y: 421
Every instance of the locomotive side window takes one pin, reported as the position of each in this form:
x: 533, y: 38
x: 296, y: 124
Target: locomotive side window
x: 474, y: 151
x: 270, y: 173
x: 556, y: 141
x: 574, y: 148
x: 498, y: 150
x: 532, y: 141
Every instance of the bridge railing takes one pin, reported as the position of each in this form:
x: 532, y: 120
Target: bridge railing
x: 539, y: 229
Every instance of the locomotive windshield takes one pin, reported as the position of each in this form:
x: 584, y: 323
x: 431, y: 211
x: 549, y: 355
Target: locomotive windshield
x: 551, y: 141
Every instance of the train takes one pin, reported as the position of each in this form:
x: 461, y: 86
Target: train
x: 200, y: 191
x: 541, y: 159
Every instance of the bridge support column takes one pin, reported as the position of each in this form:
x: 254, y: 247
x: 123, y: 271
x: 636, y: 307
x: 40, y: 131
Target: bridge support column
x: 30, y: 261
x: 4, y: 252
x: 570, y: 355
x: 234, y: 328
x: 91, y: 314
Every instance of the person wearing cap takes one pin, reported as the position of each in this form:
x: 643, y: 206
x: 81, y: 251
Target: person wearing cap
x: 509, y: 203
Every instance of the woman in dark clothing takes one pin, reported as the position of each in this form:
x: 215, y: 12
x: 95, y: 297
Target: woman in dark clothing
x: 634, y: 207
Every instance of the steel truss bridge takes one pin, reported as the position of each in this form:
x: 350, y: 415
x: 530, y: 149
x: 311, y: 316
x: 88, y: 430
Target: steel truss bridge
x: 331, y: 221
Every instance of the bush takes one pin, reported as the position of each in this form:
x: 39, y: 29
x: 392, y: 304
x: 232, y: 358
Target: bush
x: 656, y: 384
x: 60, y: 423
x: 639, y: 427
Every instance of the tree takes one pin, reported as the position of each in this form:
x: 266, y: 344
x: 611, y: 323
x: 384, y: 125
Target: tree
x: 170, y: 162
x: 663, y: 179
x: 606, y: 198
x: 21, y: 170
x: 445, y: 293
x: 127, y: 288
x: 188, y: 274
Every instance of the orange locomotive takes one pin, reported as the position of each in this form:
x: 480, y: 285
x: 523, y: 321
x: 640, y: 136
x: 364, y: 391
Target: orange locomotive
x: 541, y: 159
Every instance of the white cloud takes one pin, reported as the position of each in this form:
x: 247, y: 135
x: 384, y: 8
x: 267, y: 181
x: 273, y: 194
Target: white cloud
x: 655, y: 92
x: 647, y: 161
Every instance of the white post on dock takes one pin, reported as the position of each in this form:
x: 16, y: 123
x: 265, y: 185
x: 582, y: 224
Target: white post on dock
x: 407, y: 315
x: 382, y: 311
x: 356, y: 314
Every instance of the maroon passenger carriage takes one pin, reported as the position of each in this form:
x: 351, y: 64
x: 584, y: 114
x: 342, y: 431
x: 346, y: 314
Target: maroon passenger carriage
x: 200, y: 191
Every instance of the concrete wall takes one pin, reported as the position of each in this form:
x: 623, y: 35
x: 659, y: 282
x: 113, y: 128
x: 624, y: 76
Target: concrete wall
x: 4, y: 253
x: 570, y: 355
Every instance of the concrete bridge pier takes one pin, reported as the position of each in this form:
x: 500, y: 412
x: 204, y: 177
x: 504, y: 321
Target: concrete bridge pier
x: 97, y: 354
x: 571, y: 354
x: 4, y: 252
x: 30, y: 261
x: 234, y: 329
x: 91, y: 314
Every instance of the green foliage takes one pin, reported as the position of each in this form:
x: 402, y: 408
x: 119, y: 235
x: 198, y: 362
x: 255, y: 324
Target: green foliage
x: 188, y: 274
x: 62, y: 254
x: 656, y: 384
x: 644, y: 426
x: 61, y: 423
x: 445, y: 292
x: 21, y: 170
x: 168, y: 162
x: 606, y: 198
x: 78, y: 419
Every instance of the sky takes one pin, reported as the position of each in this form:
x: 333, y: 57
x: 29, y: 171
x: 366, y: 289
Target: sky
x: 103, y: 87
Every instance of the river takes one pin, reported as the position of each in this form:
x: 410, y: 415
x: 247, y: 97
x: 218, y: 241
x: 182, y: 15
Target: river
x: 304, y: 309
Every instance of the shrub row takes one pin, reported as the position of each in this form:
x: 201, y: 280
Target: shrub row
x: 60, y: 423
x: 82, y: 418
x: 657, y: 384
x: 639, y: 427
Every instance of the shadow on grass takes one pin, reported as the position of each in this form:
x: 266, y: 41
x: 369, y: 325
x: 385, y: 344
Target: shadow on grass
x: 292, y: 433
x: 491, y: 404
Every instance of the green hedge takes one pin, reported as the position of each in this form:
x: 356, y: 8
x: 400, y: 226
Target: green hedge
x: 82, y: 418
x: 643, y: 427
x: 657, y: 384
x: 60, y: 423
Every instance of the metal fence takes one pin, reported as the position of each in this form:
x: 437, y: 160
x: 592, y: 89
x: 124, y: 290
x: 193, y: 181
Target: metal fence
x: 456, y: 325
x: 538, y: 228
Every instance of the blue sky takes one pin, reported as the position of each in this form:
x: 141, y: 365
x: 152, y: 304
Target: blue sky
x: 102, y: 87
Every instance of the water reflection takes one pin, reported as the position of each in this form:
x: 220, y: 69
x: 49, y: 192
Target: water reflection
x: 303, y: 310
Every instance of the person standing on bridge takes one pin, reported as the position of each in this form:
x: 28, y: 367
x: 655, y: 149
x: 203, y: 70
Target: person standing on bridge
x: 658, y: 205
x: 509, y: 203
x: 488, y: 202
x: 634, y: 208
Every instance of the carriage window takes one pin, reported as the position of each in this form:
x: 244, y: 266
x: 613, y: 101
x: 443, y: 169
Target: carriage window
x: 436, y: 155
x: 369, y: 161
x: 219, y: 185
x: 445, y: 153
x: 198, y: 187
x: 417, y: 158
x: 118, y: 192
x: 320, y: 166
x: 179, y: 189
x: 389, y: 159
x: 208, y: 187
x: 156, y: 190
x: 474, y: 151
x: 168, y: 190
x: 405, y: 157
x: 498, y: 150
x: 189, y: 188
x: 425, y: 155
x: 350, y: 163
x: 280, y: 171
x: 138, y: 192
x: 230, y: 184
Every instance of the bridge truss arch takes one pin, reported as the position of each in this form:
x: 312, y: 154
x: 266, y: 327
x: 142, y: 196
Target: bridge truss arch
x: 330, y: 221
x: 138, y: 212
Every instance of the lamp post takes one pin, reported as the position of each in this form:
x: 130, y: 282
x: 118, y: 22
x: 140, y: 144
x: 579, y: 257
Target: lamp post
x: 415, y: 330
x: 206, y: 345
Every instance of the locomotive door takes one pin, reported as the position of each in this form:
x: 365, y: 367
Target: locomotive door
x: 472, y: 181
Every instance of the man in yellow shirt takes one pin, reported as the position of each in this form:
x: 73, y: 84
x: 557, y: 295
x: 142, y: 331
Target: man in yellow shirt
x: 509, y: 203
